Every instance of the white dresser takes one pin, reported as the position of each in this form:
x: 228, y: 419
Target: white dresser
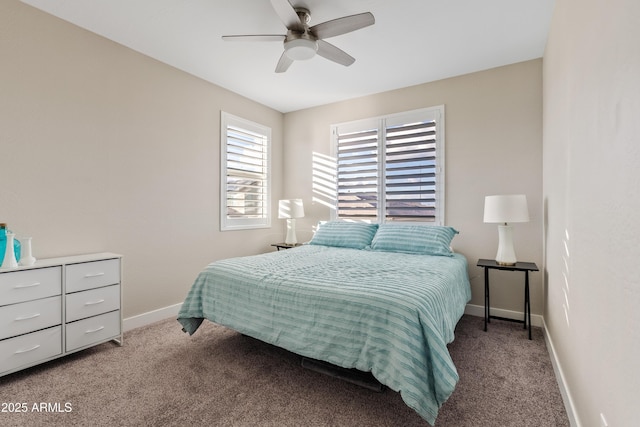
x: 58, y: 306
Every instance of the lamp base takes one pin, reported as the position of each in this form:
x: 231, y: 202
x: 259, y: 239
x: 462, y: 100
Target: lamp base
x: 506, y: 254
x: 291, y: 232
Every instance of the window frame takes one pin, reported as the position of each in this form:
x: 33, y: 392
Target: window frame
x: 382, y: 123
x: 228, y: 120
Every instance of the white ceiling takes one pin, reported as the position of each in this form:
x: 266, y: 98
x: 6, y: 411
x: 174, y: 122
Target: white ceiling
x: 412, y: 41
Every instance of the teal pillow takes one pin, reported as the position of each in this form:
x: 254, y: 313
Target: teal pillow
x: 344, y: 234
x: 414, y: 239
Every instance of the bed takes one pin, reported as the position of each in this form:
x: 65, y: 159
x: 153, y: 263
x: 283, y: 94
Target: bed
x: 374, y: 299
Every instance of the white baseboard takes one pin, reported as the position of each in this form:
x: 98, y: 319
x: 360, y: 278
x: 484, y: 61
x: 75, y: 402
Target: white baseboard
x: 478, y: 310
x: 172, y: 311
x: 562, y: 384
x: 150, y: 317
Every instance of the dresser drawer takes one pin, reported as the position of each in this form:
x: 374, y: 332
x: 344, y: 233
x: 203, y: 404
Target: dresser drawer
x: 26, y: 285
x: 89, y: 275
x: 31, y: 348
x: 93, y: 330
x: 18, y: 319
x: 92, y: 302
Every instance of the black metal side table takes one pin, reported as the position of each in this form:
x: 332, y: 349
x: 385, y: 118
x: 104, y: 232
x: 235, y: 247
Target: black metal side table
x: 489, y: 264
x: 286, y: 245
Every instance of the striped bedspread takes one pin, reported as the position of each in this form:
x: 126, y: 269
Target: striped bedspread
x: 386, y: 313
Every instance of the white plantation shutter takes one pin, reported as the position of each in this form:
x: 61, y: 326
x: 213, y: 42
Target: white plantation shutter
x: 410, y: 172
x: 245, y: 174
x: 358, y: 173
x: 391, y: 168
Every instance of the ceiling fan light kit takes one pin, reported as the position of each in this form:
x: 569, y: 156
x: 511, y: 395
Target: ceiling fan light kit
x: 300, y: 49
x: 303, y: 42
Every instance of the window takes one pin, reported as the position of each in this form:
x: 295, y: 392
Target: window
x: 391, y: 168
x: 245, y: 175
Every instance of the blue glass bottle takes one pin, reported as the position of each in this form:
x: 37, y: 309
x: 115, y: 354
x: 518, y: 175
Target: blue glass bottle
x: 3, y: 243
x: 3, y: 240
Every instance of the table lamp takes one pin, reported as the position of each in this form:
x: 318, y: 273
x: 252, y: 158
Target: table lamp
x: 290, y: 209
x: 505, y: 209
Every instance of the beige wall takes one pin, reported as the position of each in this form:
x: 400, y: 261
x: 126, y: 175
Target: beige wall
x: 104, y: 149
x: 591, y: 180
x: 493, y: 146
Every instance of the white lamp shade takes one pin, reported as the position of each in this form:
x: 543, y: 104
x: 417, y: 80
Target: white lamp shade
x: 290, y: 208
x: 506, y: 208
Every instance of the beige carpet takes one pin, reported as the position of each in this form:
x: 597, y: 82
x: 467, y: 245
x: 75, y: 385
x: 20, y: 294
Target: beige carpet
x: 163, y: 377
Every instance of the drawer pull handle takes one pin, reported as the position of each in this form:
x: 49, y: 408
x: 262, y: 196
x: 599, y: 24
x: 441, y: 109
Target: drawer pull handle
x: 88, y: 275
x: 26, y: 285
x: 90, y: 331
x: 94, y: 302
x: 33, y: 316
x: 28, y: 350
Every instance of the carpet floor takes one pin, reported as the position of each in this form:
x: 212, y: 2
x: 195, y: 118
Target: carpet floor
x: 217, y: 377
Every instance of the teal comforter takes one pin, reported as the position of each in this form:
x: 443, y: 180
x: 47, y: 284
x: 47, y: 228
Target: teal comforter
x: 386, y: 313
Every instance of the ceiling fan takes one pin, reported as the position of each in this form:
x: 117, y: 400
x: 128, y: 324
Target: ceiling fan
x: 303, y: 42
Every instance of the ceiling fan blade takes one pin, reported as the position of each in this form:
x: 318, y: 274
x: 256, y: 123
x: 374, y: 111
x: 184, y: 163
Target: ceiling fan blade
x: 283, y: 63
x: 332, y: 53
x: 287, y: 14
x: 255, y: 38
x: 342, y: 25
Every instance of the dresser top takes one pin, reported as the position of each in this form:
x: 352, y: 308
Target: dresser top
x: 72, y: 259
